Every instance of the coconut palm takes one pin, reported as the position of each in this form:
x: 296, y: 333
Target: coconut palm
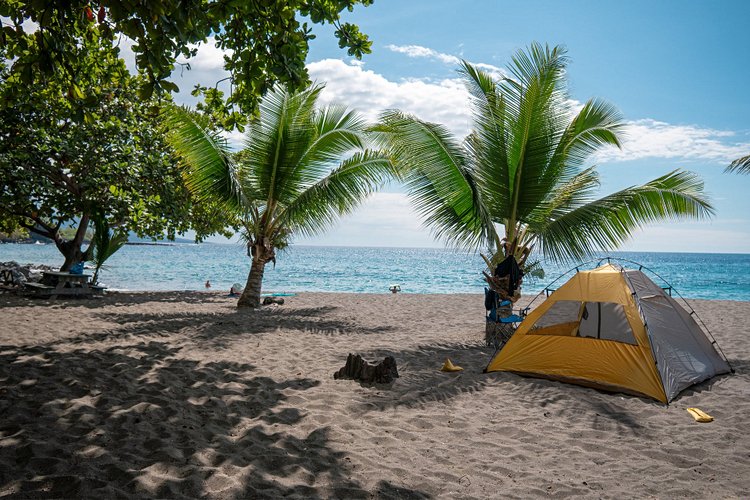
x: 740, y: 165
x: 300, y: 168
x: 524, y: 168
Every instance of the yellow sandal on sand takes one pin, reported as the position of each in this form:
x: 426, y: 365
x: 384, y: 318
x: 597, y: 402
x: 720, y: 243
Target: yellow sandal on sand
x: 700, y: 416
x: 450, y: 367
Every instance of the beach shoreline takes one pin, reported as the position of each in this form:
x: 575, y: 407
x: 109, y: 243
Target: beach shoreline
x: 179, y: 394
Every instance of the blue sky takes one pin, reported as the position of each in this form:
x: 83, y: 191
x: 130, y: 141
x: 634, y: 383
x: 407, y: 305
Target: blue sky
x: 678, y: 71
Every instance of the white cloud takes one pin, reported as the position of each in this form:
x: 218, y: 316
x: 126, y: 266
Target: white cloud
x: 648, y: 138
x: 235, y: 138
x: 384, y: 220
x: 444, y: 102
x: 447, y: 102
x: 419, y: 51
x: 208, y: 58
x: 28, y: 26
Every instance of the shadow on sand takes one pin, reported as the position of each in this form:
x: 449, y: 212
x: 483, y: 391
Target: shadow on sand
x: 137, y: 421
x: 422, y: 385
x: 118, y: 299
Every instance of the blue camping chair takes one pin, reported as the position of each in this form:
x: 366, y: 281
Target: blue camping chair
x: 501, y: 320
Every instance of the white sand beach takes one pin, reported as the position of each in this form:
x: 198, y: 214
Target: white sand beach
x: 181, y: 395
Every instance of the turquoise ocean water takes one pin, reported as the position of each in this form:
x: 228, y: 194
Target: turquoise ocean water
x: 356, y: 269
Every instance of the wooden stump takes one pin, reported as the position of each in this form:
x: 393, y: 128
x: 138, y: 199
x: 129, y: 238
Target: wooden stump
x: 273, y: 300
x: 357, y: 368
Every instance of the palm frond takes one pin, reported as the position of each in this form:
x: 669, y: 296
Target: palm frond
x: 740, y: 165
x: 537, y: 127
x: 522, y: 167
x: 345, y: 188
x: 105, y: 243
x: 567, y: 196
x: 210, y: 173
x: 597, y: 124
x: 335, y: 133
x: 487, y: 144
x: 439, y: 182
x: 606, y: 223
x: 276, y: 140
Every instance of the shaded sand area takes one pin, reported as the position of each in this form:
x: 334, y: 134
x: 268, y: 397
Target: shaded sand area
x: 180, y: 395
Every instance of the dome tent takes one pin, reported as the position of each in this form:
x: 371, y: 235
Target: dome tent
x: 614, y: 329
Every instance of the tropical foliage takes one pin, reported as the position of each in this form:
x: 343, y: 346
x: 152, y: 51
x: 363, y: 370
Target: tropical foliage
x: 520, y: 180
x: 263, y: 41
x: 300, y: 168
x: 65, y: 157
x: 105, y: 243
x: 740, y: 165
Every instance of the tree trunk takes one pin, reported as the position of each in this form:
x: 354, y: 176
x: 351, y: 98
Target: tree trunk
x: 71, y: 249
x: 251, y: 294
x: 72, y: 253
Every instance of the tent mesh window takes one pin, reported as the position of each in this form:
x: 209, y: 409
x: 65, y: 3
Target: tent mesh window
x: 594, y: 320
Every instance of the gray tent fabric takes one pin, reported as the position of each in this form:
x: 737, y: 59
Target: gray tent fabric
x: 683, y: 354
x: 606, y: 321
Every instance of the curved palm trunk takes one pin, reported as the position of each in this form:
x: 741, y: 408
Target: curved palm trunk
x: 251, y: 294
x: 261, y: 251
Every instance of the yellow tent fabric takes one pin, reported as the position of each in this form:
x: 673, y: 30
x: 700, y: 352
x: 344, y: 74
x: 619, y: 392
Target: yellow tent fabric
x: 558, y: 351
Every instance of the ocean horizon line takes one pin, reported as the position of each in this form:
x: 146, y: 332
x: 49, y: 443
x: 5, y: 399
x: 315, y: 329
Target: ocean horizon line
x: 310, y: 268
x: 449, y: 249
x: 168, y: 243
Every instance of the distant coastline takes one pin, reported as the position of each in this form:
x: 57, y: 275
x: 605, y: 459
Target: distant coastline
x: 151, y: 243
x: 41, y: 240
x: 47, y: 241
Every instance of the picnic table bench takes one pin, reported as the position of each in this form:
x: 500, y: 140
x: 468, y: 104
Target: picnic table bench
x: 56, y: 283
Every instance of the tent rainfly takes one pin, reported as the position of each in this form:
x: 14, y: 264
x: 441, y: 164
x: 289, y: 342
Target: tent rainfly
x: 614, y: 329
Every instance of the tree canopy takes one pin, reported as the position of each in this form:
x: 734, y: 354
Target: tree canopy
x: 67, y: 159
x: 264, y: 41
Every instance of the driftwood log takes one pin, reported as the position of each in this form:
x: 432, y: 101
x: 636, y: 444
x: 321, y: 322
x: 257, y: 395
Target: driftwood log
x: 357, y: 368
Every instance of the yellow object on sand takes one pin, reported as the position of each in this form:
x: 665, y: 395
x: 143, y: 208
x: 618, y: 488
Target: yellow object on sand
x: 700, y: 416
x: 450, y: 367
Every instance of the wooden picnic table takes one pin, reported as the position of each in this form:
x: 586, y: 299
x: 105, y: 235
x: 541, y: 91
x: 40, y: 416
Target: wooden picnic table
x: 56, y: 283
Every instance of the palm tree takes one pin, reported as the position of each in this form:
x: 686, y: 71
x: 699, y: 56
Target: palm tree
x: 523, y: 167
x: 105, y: 243
x: 288, y: 179
x: 740, y: 165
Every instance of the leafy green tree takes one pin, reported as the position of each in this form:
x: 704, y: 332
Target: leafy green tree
x: 523, y: 168
x: 65, y: 156
x: 264, y: 40
x: 740, y: 165
x: 301, y: 168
